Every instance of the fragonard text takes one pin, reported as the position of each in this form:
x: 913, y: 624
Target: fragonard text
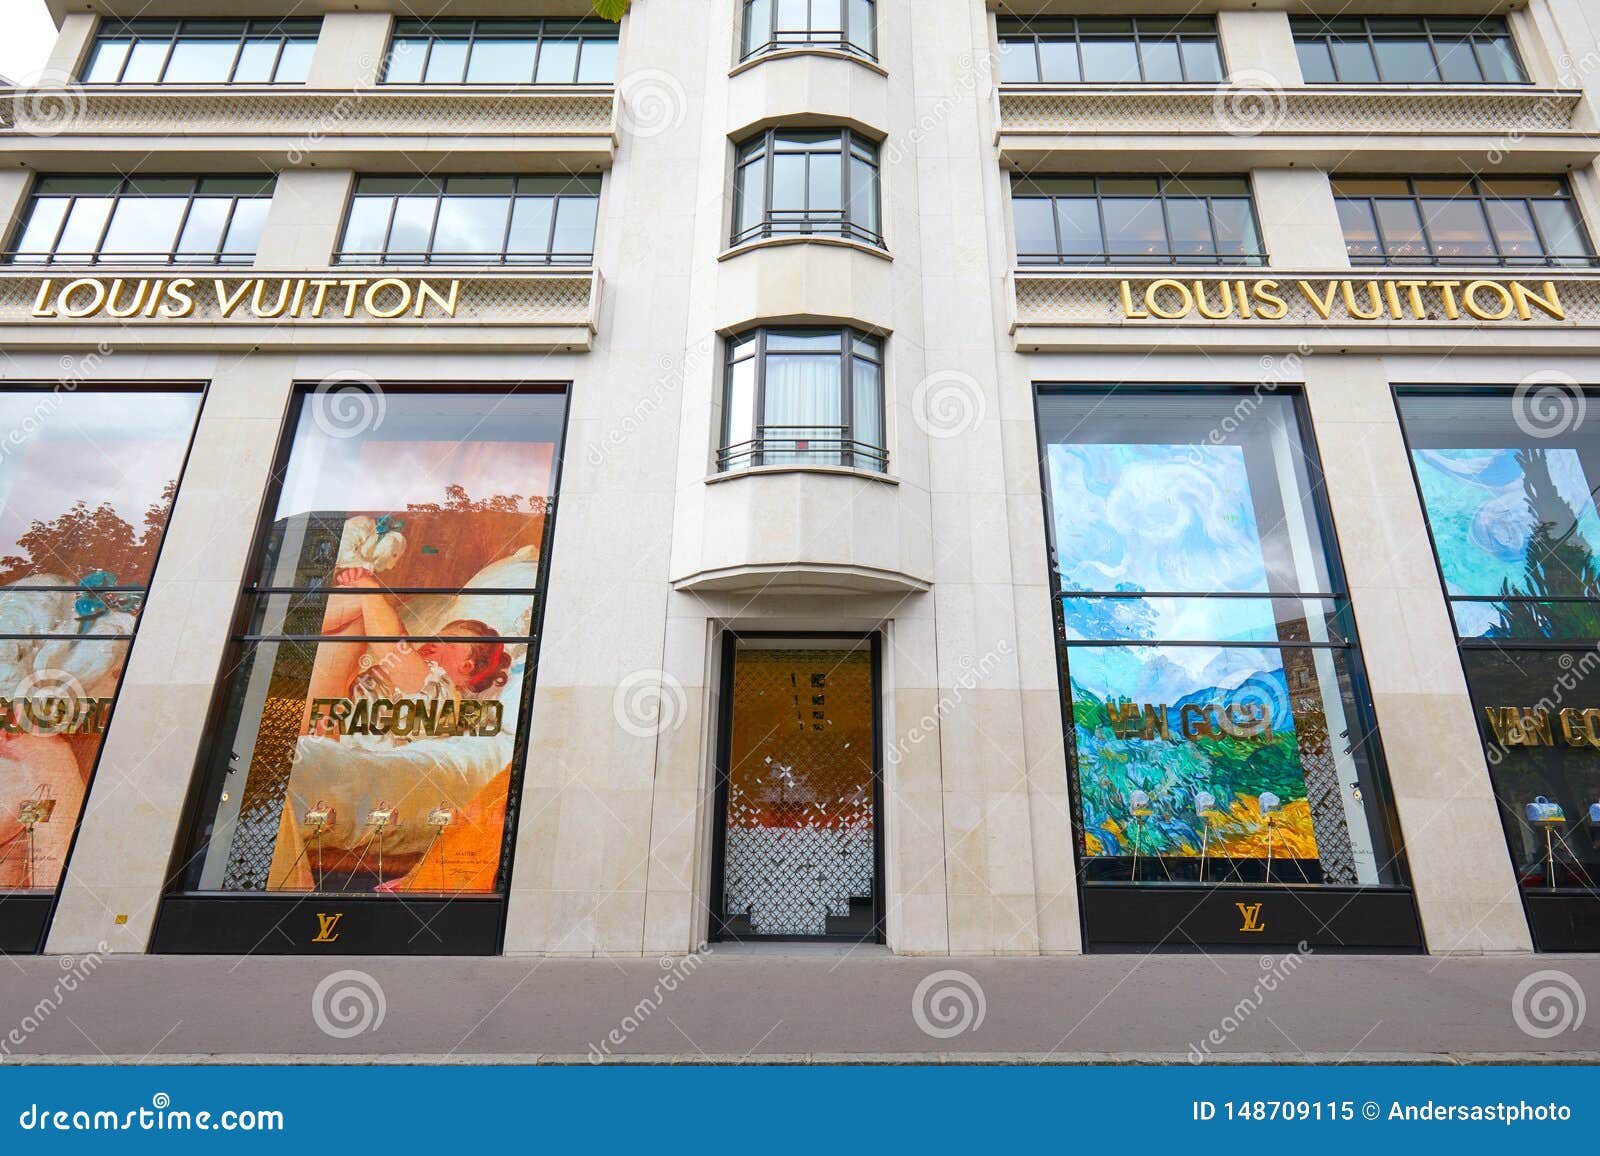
x: 407, y: 717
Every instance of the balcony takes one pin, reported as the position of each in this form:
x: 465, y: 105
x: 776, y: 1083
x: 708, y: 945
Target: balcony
x: 1365, y: 128
x: 521, y: 129
x: 166, y: 308
x: 1391, y: 309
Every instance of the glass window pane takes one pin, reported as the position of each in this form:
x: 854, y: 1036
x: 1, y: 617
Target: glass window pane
x: 530, y: 226
x: 575, y: 222
x: 406, y: 59
x: 1079, y: 222
x: 413, y: 225
x: 367, y: 230
x: 200, y: 61
x: 447, y: 62
x: 85, y: 222
x: 1110, y: 61
x: 1134, y: 229
x: 868, y: 411
x: 1058, y: 62
x: 739, y: 420
x: 1036, y: 233
x: 863, y: 195
x: 558, y: 62
x: 1402, y: 228
x: 863, y: 27
x: 294, y: 63
x: 1190, y: 225
x: 1360, y: 228
x: 105, y: 65
x: 1499, y: 62
x: 144, y: 226
x: 1018, y: 64
x: 1457, y: 62
x: 597, y: 63
x: 825, y: 193
x: 256, y: 61
x: 1316, y: 61
x: 1202, y: 61
x: 1563, y: 231
x: 788, y: 182
x: 502, y: 62
x: 804, y: 405
x: 1353, y: 59
x: 44, y: 221
x: 1457, y: 228
x: 470, y: 226
x: 202, y: 232
x: 144, y: 63
x: 1513, y: 228
x: 1406, y: 62
x: 244, y: 233
x: 757, y: 24
x: 749, y: 191
x: 1161, y: 65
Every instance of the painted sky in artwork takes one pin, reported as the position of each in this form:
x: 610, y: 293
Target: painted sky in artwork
x: 1480, y: 517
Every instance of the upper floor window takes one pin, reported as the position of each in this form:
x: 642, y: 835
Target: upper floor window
x: 502, y: 52
x: 803, y: 397
x: 802, y: 181
x: 1461, y: 220
x: 542, y: 220
x: 1135, y: 221
x: 203, y: 52
x: 168, y: 220
x: 773, y: 25
x: 1069, y: 50
x: 1406, y: 50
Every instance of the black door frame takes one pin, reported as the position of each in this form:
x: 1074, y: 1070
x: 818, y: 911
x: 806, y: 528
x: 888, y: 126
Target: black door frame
x: 718, y: 928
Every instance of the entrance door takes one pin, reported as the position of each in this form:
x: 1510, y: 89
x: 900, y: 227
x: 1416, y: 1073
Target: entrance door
x: 798, y: 849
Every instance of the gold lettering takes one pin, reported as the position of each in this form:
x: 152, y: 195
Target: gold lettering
x: 1550, y: 303
x: 1469, y: 298
x: 41, y: 303
x: 1414, y: 296
x: 1129, y: 309
x: 1204, y: 305
x: 127, y: 310
x: 1348, y: 289
x: 426, y: 293
x: 226, y: 304
x: 1183, y: 295
x: 1447, y: 290
x: 178, y: 294
x: 97, y: 297
x: 1266, y: 293
x: 1323, y: 305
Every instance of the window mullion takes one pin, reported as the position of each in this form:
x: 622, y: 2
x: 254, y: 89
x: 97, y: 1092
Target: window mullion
x: 227, y: 227
x: 238, y: 51
x: 847, y: 369
x: 105, y: 229
x: 758, y: 408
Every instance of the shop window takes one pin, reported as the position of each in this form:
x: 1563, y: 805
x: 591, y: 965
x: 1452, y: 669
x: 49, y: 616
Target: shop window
x: 774, y: 25
x: 1135, y: 221
x: 502, y: 52
x: 143, y: 220
x: 203, y: 52
x: 1505, y: 221
x: 1508, y: 484
x: 797, y: 397
x: 539, y: 220
x: 799, y: 182
x: 1218, y: 726
x: 1406, y: 50
x: 1103, y: 50
x: 87, y: 482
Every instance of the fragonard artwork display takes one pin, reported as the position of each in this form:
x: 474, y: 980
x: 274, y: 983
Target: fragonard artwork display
x: 87, y: 482
x: 1182, y: 749
x: 384, y: 674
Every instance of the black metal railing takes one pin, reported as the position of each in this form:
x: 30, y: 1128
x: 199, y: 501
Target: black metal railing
x: 1156, y: 259
x: 808, y: 445
x: 804, y: 222
x: 445, y: 257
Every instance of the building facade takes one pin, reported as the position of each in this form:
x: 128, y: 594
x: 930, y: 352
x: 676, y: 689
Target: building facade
x: 984, y: 479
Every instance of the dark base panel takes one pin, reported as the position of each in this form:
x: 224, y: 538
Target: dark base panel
x: 1564, y: 922
x: 1132, y: 917
x: 23, y: 919
x: 327, y: 925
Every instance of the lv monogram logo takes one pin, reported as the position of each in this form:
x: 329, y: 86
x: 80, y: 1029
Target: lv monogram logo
x: 1251, y: 914
x: 327, y: 927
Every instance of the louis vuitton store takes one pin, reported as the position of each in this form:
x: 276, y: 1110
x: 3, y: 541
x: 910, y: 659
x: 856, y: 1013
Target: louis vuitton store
x: 486, y: 490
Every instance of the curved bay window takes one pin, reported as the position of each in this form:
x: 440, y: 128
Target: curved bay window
x: 1510, y: 501
x: 1218, y: 728
x: 1135, y: 221
x: 368, y: 736
x: 799, y: 397
x: 801, y: 182
x: 1508, y: 221
x: 86, y: 485
x: 773, y: 25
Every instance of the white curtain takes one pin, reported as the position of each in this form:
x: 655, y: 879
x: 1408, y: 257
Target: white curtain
x: 802, y: 390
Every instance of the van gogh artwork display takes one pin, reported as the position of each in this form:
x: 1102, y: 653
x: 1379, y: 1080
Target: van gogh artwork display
x: 386, y: 664
x: 87, y: 481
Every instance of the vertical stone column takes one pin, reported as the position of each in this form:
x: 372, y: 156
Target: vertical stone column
x: 350, y: 50
x: 70, y: 52
x: 1449, y: 819
x: 303, y: 225
x: 130, y: 821
x: 1299, y: 221
x: 1257, y: 46
x: 14, y: 187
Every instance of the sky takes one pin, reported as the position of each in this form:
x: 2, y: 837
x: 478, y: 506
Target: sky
x: 29, y: 33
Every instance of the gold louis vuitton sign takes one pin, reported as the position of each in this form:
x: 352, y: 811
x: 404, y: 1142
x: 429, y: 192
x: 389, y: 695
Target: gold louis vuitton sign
x: 1346, y: 299
x: 327, y: 927
x: 1251, y: 914
x: 245, y: 298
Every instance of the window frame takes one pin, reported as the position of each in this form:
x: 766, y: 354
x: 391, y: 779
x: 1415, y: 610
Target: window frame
x: 1480, y: 198
x: 119, y: 193
x: 248, y: 31
x: 745, y: 157
x: 1034, y: 36
x: 484, y: 29
x: 1217, y: 259
x: 1301, y: 31
x: 547, y: 258
x: 852, y: 454
x: 777, y: 43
